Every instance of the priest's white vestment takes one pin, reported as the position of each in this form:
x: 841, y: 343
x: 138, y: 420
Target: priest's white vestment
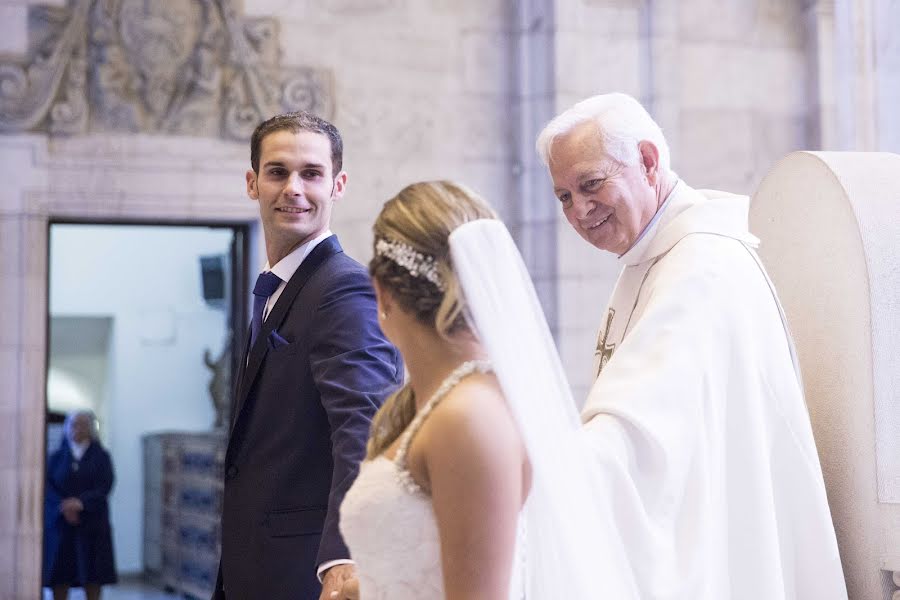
x: 698, y: 422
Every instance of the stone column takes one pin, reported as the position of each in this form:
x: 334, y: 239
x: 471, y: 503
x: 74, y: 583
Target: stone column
x: 533, y: 210
x: 23, y: 298
x: 853, y: 57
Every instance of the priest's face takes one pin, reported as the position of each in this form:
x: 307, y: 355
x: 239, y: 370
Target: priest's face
x: 609, y: 204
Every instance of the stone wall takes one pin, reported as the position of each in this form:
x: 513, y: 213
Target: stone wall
x: 420, y: 89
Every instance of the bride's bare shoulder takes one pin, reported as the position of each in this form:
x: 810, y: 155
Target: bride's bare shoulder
x: 474, y: 414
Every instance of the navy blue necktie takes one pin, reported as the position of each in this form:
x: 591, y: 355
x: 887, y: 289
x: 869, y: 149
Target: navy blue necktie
x: 266, y: 284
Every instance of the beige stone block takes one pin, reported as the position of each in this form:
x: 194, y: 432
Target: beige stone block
x: 11, y: 300
x: 408, y: 52
x: 32, y: 392
x: 568, y: 15
x: 34, y: 311
x: 161, y: 182
x: 231, y: 183
x: 483, y: 128
x: 613, y: 66
x: 20, y: 170
x: 483, y: 14
x: 604, y: 19
x: 28, y: 566
x: 779, y: 24
x: 490, y: 179
x: 717, y: 150
x: 774, y: 137
x: 356, y: 238
x: 10, y: 246
x: 30, y: 503
x: 728, y: 76
x: 97, y: 153
x: 269, y: 8
x: 782, y: 71
x: 84, y: 199
x: 9, y: 492
x: 14, y: 40
x: 11, y: 202
x: 34, y: 245
x: 586, y: 67
x: 569, y: 65
x: 233, y: 208
x: 487, y: 65
x: 566, y: 99
x: 716, y: 76
x: 9, y: 377
x: 381, y: 129
x: 148, y: 207
x: 9, y: 443
x: 713, y: 20
x: 35, y: 203
x: 7, y: 564
x: 376, y: 12
x: 31, y: 432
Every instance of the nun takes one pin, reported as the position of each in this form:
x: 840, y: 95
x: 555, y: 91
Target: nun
x: 78, y: 549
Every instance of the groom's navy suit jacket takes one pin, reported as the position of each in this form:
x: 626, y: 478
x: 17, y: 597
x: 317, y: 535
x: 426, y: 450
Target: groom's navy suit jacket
x: 304, y: 401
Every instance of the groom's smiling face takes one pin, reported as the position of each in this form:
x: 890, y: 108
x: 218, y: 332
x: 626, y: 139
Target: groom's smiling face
x: 295, y: 189
x: 609, y: 204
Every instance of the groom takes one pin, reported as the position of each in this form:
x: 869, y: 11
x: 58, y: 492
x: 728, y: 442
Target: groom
x: 316, y: 369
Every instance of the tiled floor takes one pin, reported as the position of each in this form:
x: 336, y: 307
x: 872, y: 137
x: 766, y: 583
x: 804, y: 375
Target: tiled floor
x: 122, y: 591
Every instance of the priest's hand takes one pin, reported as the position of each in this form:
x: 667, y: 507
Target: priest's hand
x: 333, y: 582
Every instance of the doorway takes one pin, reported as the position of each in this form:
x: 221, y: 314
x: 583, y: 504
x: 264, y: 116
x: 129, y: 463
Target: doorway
x: 141, y: 321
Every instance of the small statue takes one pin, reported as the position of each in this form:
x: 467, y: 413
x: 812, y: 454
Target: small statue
x: 220, y: 385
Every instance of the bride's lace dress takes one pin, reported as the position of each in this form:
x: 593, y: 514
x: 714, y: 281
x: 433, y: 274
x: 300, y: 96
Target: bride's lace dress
x: 389, y: 525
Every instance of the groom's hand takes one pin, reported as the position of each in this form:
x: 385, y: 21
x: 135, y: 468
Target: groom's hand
x: 350, y: 590
x: 333, y: 581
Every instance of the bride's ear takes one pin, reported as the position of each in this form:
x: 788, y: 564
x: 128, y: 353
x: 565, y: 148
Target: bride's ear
x: 383, y: 298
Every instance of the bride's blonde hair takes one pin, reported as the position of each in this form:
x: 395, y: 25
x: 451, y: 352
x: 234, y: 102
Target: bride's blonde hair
x: 421, y: 218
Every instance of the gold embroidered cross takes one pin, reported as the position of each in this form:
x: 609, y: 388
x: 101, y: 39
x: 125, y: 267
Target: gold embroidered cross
x: 604, y: 350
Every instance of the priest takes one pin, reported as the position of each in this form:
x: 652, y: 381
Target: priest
x: 705, y: 454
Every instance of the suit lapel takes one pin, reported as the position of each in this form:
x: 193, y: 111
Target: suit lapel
x: 322, y: 252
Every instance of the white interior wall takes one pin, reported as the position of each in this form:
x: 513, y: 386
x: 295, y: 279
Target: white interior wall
x: 147, y: 281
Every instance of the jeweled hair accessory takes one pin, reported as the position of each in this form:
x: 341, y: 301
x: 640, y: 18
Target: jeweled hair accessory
x: 418, y: 264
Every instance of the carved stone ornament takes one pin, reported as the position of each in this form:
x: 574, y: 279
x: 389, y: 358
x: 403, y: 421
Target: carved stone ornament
x: 181, y: 67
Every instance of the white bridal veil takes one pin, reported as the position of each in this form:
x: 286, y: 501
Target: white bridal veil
x: 573, y: 549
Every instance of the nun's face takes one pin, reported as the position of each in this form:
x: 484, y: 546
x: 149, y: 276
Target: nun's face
x: 81, y: 429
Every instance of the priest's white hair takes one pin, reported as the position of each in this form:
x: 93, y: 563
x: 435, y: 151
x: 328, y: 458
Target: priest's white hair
x: 622, y: 123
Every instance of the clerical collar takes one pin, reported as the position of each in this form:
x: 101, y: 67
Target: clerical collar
x: 655, y: 220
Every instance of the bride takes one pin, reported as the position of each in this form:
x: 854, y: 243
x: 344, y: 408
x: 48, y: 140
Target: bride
x: 477, y: 482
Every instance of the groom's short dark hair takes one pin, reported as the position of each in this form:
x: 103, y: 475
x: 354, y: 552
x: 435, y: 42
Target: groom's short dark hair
x: 295, y: 122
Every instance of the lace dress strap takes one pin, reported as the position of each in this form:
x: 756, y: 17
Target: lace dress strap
x: 404, y: 477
